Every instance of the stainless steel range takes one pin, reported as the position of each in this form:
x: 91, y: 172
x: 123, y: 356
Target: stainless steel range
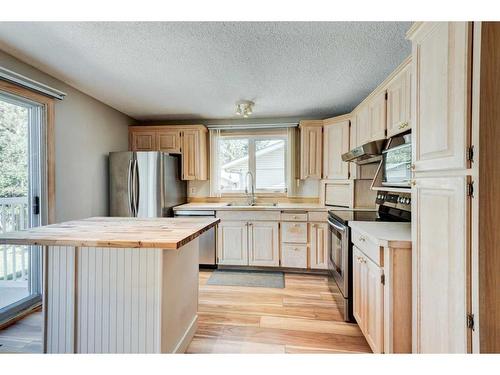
x: 391, y: 207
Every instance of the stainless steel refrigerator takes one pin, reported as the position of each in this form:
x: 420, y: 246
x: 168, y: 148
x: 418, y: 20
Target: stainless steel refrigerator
x: 145, y: 184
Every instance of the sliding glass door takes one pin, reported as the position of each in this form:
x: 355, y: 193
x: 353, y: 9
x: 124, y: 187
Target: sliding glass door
x: 21, y: 181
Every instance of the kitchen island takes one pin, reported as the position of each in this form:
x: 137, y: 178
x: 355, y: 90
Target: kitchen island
x: 118, y: 285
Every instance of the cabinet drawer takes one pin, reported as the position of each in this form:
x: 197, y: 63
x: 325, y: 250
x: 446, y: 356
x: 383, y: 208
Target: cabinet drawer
x: 294, y: 255
x: 320, y: 216
x: 369, y: 248
x: 291, y: 216
x: 294, y: 232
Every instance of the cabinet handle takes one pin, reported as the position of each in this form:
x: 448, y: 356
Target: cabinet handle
x: 361, y: 238
x: 403, y: 125
x: 413, y: 182
x: 413, y: 167
x: 296, y: 249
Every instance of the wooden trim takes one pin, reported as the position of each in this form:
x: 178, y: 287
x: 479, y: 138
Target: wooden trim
x: 146, y: 127
x: 489, y: 201
x: 45, y: 297
x: 49, y: 105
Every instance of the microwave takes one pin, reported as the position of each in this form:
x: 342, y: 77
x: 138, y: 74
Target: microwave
x: 396, y: 166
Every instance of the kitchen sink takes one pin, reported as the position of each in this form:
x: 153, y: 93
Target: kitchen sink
x: 246, y: 204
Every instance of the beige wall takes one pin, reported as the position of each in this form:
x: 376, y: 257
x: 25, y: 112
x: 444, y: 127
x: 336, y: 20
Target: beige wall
x: 85, y: 131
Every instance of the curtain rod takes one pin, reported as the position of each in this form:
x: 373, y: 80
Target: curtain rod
x: 253, y: 126
x: 10, y: 76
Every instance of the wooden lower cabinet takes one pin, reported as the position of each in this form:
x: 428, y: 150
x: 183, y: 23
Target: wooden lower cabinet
x: 441, y: 264
x: 243, y: 243
x: 368, y: 301
x: 263, y: 244
x: 260, y: 241
x: 382, y: 298
x: 232, y: 243
x: 318, y: 239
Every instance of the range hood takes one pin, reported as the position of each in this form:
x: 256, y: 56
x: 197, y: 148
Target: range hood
x: 370, y: 152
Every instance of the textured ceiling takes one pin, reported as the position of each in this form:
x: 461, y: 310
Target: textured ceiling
x: 190, y: 70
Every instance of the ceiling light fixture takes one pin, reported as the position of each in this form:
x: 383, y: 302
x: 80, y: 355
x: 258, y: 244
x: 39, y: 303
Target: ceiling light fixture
x: 244, y: 108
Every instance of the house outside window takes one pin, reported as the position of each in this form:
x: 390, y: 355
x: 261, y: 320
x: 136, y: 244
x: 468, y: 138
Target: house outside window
x: 263, y: 155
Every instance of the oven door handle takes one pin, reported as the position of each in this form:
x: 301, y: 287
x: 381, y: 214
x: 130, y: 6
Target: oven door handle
x: 336, y: 226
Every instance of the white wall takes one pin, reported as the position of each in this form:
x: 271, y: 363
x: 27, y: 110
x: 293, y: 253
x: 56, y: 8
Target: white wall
x: 86, y: 130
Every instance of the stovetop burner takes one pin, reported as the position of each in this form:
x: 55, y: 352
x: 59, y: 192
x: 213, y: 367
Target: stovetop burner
x: 391, y: 207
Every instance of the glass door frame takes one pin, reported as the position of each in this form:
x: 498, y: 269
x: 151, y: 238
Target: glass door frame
x: 37, y: 187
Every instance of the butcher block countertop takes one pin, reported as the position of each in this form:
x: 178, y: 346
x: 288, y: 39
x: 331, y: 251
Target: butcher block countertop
x: 163, y: 233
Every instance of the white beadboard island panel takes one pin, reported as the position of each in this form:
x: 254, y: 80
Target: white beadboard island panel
x: 120, y: 300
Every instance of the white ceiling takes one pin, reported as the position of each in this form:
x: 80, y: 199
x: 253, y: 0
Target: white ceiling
x: 197, y: 70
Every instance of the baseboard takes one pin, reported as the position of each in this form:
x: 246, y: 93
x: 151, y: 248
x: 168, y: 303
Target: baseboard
x: 187, y: 337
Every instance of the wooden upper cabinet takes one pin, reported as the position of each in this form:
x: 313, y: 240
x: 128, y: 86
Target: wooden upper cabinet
x: 399, y: 102
x: 377, y: 116
x: 441, y: 53
x: 169, y: 141
x: 335, y: 143
x: 188, y: 140
x: 190, y: 154
x: 143, y: 141
x: 311, y: 146
x: 362, y: 125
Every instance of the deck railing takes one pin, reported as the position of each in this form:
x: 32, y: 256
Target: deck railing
x: 14, y: 259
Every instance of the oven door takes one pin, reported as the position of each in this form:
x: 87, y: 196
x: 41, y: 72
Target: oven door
x: 338, y: 258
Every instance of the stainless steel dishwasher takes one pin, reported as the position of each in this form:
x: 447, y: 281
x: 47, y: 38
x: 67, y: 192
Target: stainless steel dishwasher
x: 208, y: 252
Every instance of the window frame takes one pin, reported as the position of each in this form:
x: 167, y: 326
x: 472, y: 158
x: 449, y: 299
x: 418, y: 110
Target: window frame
x: 252, y: 138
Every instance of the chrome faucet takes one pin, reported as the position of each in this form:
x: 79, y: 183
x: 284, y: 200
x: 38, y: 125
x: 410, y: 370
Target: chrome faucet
x: 250, y: 196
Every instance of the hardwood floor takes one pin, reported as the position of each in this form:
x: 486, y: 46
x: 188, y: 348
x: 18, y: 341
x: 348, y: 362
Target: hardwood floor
x: 24, y: 336
x: 301, y: 318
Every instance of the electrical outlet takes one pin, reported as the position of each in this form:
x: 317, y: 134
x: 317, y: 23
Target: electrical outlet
x: 192, y: 190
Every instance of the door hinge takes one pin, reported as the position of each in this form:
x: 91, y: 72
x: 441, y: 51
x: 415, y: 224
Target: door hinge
x: 470, y: 153
x: 386, y: 95
x: 348, y: 175
x: 470, y: 189
x: 382, y: 279
x: 470, y: 321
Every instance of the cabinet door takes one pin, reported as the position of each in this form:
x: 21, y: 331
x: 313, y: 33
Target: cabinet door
x: 441, y: 115
x: 362, y: 125
x: 358, y: 281
x: 232, y: 243
x: 263, y: 243
x: 319, y: 248
x: 399, y: 103
x: 190, y: 154
x: 373, y: 291
x: 311, y: 145
x: 440, y: 254
x: 143, y: 141
x: 377, y: 117
x: 335, y: 142
x: 169, y: 141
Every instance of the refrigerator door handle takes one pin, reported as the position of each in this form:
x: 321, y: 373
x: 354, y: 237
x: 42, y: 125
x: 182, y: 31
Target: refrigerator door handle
x: 136, y: 187
x: 130, y: 188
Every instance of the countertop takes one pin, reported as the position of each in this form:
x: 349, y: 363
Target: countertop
x: 386, y: 234
x: 164, y: 233
x: 224, y: 206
